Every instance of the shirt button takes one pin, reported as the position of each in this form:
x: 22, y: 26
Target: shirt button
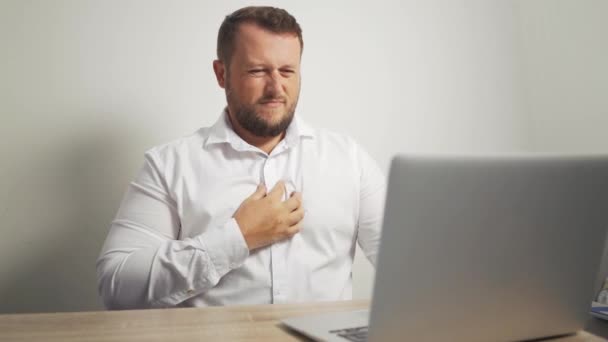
x: 190, y: 291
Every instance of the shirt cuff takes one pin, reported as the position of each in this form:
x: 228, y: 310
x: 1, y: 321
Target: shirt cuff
x: 225, y: 246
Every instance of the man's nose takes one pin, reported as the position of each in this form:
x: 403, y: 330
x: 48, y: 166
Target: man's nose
x: 274, y: 84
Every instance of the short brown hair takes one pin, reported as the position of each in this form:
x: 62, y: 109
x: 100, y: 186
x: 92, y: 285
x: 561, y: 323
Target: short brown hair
x: 273, y: 19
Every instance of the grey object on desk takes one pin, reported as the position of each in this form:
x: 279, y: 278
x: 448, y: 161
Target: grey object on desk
x: 507, y: 248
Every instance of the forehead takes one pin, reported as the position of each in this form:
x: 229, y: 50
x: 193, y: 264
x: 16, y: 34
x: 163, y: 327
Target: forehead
x: 254, y: 44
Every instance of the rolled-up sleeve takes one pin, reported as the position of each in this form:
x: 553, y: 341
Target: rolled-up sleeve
x: 371, y: 205
x: 143, y: 264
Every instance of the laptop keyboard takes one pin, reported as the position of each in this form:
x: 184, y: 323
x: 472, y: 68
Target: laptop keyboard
x: 358, y: 334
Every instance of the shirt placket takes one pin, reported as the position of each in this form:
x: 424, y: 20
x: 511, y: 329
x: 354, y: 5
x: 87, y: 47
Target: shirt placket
x: 278, y: 250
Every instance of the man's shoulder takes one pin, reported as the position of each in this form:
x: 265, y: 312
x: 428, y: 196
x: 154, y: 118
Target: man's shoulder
x: 179, y: 146
x: 335, y: 139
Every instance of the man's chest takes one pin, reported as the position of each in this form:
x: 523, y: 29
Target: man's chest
x: 208, y: 194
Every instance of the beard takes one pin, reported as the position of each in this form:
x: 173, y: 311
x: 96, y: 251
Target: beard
x: 249, y: 119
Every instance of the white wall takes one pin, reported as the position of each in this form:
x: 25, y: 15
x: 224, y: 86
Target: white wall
x: 564, y: 58
x: 87, y: 86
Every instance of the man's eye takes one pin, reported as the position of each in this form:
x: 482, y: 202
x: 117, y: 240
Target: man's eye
x: 256, y: 71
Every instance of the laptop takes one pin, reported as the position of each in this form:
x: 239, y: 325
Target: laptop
x: 481, y: 248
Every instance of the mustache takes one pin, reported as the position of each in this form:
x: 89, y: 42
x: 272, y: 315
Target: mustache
x: 267, y: 99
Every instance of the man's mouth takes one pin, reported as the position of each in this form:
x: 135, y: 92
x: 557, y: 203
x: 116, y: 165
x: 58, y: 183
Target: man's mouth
x: 272, y: 103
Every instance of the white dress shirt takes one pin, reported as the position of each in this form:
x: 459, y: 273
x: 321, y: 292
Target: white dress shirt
x: 174, y: 241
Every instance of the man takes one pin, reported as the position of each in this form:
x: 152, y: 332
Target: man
x: 259, y: 208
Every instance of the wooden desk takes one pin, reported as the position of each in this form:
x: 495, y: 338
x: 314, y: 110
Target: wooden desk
x: 251, y: 323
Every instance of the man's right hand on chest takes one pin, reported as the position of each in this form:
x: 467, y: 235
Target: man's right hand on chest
x: 265, y: 218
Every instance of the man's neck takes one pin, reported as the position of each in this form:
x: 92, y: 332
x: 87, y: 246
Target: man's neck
x: 266, y: 144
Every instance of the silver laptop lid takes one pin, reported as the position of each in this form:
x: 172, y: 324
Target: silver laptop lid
x: 489, y: 248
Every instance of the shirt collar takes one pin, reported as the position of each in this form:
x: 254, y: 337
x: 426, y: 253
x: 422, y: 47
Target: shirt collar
x: 222, y: 132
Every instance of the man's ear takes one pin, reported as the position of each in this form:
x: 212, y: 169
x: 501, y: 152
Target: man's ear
x: 220, y: 72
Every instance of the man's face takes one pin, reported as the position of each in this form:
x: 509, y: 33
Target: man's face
x: 263, y: 80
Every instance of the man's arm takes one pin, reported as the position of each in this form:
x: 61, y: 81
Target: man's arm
x: 371, y: 205
x: 143, y: 265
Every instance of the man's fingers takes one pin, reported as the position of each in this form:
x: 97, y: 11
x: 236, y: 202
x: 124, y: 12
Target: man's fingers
x: 293, y: 230
x: 278, y: 191
x: 259, y: 193
x: 295, y: 216
x: 294, y: 202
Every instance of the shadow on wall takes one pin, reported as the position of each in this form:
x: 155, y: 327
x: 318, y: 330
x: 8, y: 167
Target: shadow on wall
x: 65, y: 195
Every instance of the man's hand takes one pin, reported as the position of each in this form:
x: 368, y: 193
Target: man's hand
x: 265, y: 218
